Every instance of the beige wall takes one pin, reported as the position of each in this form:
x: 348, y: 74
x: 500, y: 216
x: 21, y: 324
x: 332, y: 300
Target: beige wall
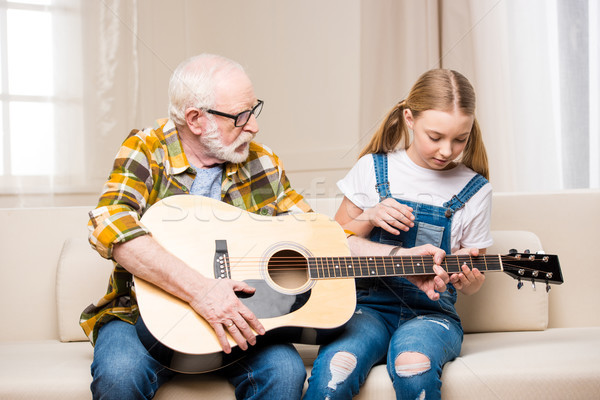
x: 304, y: 60
x: 323, y: 68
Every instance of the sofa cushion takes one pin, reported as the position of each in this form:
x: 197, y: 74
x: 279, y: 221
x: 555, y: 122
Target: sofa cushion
x: 48, y: 370
x: 559, y: 363
x: 499, y: 306
x: 81, y: 278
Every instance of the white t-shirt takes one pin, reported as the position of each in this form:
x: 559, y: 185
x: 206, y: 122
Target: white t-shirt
x: 408, y: 181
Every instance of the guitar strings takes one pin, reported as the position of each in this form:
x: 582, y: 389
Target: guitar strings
x: 295, y: 263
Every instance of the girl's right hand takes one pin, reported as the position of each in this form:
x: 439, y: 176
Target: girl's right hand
x: 391, y: 216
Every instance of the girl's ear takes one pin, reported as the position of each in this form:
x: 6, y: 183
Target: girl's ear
x: 408, y: 118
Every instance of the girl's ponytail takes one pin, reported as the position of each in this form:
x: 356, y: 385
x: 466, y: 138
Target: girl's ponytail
x: 474, y: 154
x: 389, y: 134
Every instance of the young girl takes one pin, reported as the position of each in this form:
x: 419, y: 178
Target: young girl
x: 431, y: 189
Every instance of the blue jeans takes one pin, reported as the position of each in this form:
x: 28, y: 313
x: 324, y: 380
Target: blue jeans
x: 123, y: 369
x: 392, y: 317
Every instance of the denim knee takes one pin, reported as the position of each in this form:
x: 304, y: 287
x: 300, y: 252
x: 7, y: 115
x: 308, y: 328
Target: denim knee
x: 271, y: 372
x: 424, y: 382
x: 122, y: 368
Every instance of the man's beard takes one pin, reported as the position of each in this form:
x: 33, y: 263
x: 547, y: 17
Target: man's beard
x: 211, y: 139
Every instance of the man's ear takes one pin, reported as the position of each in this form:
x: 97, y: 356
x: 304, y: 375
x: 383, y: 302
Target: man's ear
x: 195, y: 120
x: 408, y: 118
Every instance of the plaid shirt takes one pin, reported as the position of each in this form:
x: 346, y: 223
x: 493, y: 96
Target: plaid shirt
x: 150, y: 166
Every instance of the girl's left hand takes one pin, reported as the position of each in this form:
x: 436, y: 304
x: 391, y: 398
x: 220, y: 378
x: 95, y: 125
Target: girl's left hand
x: 469, y: 281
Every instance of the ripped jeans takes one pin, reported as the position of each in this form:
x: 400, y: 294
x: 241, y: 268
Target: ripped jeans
x: 393, y: 317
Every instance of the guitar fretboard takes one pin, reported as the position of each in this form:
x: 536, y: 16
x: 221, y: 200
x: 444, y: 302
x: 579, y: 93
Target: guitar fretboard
x: 362, y: 267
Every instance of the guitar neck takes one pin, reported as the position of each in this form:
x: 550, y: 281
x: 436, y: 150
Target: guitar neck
x: 363, y: 267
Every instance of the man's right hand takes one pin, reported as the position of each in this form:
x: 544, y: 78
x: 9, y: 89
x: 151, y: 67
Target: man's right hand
x: 213, y: 299
x: 218, y: 304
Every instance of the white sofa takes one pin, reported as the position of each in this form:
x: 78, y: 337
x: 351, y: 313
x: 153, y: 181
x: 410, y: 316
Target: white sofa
x: 519, y: 343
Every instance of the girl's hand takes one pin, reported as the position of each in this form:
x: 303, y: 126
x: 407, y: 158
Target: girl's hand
x: 469, y: 281
x: 390, y: 215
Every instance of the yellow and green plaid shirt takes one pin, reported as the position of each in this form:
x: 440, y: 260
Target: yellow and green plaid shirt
x: 150, y: 166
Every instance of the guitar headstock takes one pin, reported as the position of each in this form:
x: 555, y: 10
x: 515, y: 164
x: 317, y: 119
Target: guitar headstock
x: 533, y: 267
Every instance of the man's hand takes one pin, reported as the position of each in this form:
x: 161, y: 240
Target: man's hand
x: 432, y: 285
x: 223, y: 310
x: 213, y: 299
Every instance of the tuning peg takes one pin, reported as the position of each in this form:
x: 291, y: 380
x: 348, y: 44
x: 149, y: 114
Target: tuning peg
x: 533, y: 284
x: 519, y: 284
x: 540, y: 252
x: 547, y: 287
x: 526, y: 251
x: 512, y: 251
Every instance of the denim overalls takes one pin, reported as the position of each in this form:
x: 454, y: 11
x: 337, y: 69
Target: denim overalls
x: 433, y: 224
x: 393, y: 316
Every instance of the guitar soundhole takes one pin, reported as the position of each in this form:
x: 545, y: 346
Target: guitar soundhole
x: 288, y: 269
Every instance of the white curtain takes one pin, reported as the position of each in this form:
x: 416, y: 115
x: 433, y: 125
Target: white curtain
x: 534, y: 65
x: 69, y: 81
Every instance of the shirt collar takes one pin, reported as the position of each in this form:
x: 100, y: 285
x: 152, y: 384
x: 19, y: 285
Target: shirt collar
x: 178, y: 162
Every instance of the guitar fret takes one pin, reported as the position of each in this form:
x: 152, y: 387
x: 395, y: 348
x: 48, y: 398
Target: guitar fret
x: 401, y: 266
x: 376, y: 268
x: 381, y: 271
x: 420, y: 266
x: 326, y: 267
x: 411, y: 267
x: 312, y: 262
x: 344, y: 267
x: 388, y: 266
x: 368, y: 267
x: 336, y: 267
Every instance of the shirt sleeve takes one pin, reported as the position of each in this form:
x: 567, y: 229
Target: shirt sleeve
x: 359, y: 183
x: 288, y: 200
x: 477, y: 232
x: 116, y: 218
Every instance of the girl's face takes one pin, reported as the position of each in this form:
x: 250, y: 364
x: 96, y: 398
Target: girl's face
x: 439, y: 137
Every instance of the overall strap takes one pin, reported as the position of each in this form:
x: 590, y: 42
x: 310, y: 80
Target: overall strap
x: 380, y: 162
x: 458, y: 201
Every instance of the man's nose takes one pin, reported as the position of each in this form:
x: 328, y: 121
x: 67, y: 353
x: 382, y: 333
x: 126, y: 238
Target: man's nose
x: 251, y: 125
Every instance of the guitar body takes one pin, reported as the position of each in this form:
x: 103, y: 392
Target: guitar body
x: 196, y: 229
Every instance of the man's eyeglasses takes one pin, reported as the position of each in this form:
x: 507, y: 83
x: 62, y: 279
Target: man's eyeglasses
x: 242, y: 118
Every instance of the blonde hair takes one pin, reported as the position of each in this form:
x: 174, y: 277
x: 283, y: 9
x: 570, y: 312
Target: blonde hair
x: 437, y: 89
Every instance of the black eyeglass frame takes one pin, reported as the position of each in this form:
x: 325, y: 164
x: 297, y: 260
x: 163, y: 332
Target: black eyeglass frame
x: 236, y: 118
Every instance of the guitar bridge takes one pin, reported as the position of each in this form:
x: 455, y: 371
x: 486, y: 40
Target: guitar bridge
x: 221, y: 265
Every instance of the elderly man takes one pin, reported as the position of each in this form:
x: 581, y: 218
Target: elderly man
x: 203, y: 148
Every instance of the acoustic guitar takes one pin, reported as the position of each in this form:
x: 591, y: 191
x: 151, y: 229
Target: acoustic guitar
x: 300, y: 265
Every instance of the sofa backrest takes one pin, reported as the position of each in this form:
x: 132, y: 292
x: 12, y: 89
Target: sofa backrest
x: 568, y: 224
x: 81, y: 278
x: 31, y: 242
x: 499, y: 306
